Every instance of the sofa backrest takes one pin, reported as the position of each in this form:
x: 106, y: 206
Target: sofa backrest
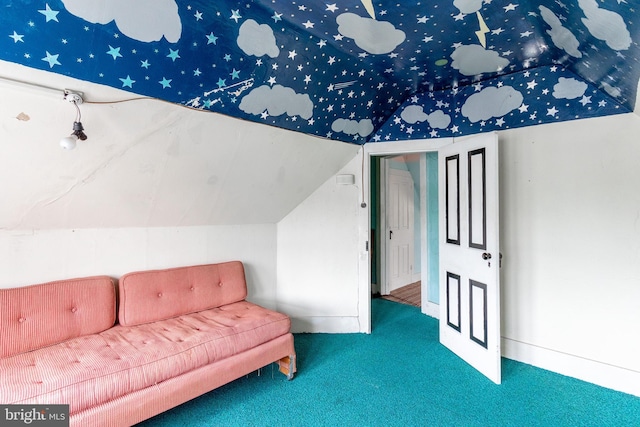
x: 37, y: 316
x: 148, y: 296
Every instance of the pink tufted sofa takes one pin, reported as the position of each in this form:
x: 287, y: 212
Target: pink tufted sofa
x: 180, y: 332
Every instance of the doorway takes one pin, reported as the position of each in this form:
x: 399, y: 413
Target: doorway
x: 392, y: 255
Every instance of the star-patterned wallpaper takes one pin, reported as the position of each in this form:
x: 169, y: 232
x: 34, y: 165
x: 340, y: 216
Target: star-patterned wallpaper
x: 354, y: 71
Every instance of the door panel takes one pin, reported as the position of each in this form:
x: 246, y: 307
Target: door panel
x: 478, y: 312
x: 477, y: 205
x: 453, y: 301
x: 452, y: 205
x: 469, y: 253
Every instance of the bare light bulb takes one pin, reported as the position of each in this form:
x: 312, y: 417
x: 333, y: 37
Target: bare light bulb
x: 69, y: 142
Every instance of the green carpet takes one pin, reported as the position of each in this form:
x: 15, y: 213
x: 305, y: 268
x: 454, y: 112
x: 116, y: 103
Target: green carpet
x: 400, y: 376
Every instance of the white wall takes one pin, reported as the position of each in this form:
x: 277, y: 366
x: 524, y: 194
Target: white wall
x: 570, y: 235
x: 34, y: 256
x: 146, y: 163
x: 319, y: 259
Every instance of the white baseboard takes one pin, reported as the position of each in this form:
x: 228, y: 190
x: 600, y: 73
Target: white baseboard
x: 326, y: 324
x: 602, y: 374
x: 431, y: 309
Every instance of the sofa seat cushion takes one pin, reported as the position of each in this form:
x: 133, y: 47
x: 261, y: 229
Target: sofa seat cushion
x: 90, y: 370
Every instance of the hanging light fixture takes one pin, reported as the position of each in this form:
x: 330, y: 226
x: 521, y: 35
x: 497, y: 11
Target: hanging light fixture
x: 69, y: 142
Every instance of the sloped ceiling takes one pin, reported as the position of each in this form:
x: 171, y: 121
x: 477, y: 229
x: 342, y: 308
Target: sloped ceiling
x: 147, y: 163
x: 353, y: 71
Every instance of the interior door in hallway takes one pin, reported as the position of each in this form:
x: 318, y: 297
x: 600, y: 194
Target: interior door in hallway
x: 470, y: 253
x: 400, y: 230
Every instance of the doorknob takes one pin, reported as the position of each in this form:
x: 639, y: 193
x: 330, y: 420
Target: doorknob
x: 486, y: 256
x: 390, y: 234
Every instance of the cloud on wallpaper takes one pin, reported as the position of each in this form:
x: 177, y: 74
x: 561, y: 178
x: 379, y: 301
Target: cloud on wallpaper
x: 491, y: 102
x: 143, y: 20
x: 363, y: 127
x: 473, y: 59
x: 439, y: 120
x: 370, y: 35
x: 276, y: 101
x: 560, y: 36
x: 257, y: 39
x: 415, y: 114
x: 468, y: 6
x: 605, y: 25
x: 569, y: 88
x: 613, y: 91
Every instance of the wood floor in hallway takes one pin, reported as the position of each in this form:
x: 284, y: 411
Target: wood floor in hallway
x: 410, y: 294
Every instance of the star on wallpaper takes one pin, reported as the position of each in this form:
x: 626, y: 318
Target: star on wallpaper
x: 354, y: 71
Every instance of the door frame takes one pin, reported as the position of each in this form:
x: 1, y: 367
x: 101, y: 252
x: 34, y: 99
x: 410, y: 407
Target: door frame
x: 380, y: 149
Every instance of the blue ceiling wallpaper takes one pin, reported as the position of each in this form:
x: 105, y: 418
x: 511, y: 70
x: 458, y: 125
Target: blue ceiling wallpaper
x: 354, y: 71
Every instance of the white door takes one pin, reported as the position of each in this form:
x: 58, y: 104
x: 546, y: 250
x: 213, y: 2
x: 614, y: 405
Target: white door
x: 399, y: 229
x: 470, y: 253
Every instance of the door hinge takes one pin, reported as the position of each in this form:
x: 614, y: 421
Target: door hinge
x: 366, y: 246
